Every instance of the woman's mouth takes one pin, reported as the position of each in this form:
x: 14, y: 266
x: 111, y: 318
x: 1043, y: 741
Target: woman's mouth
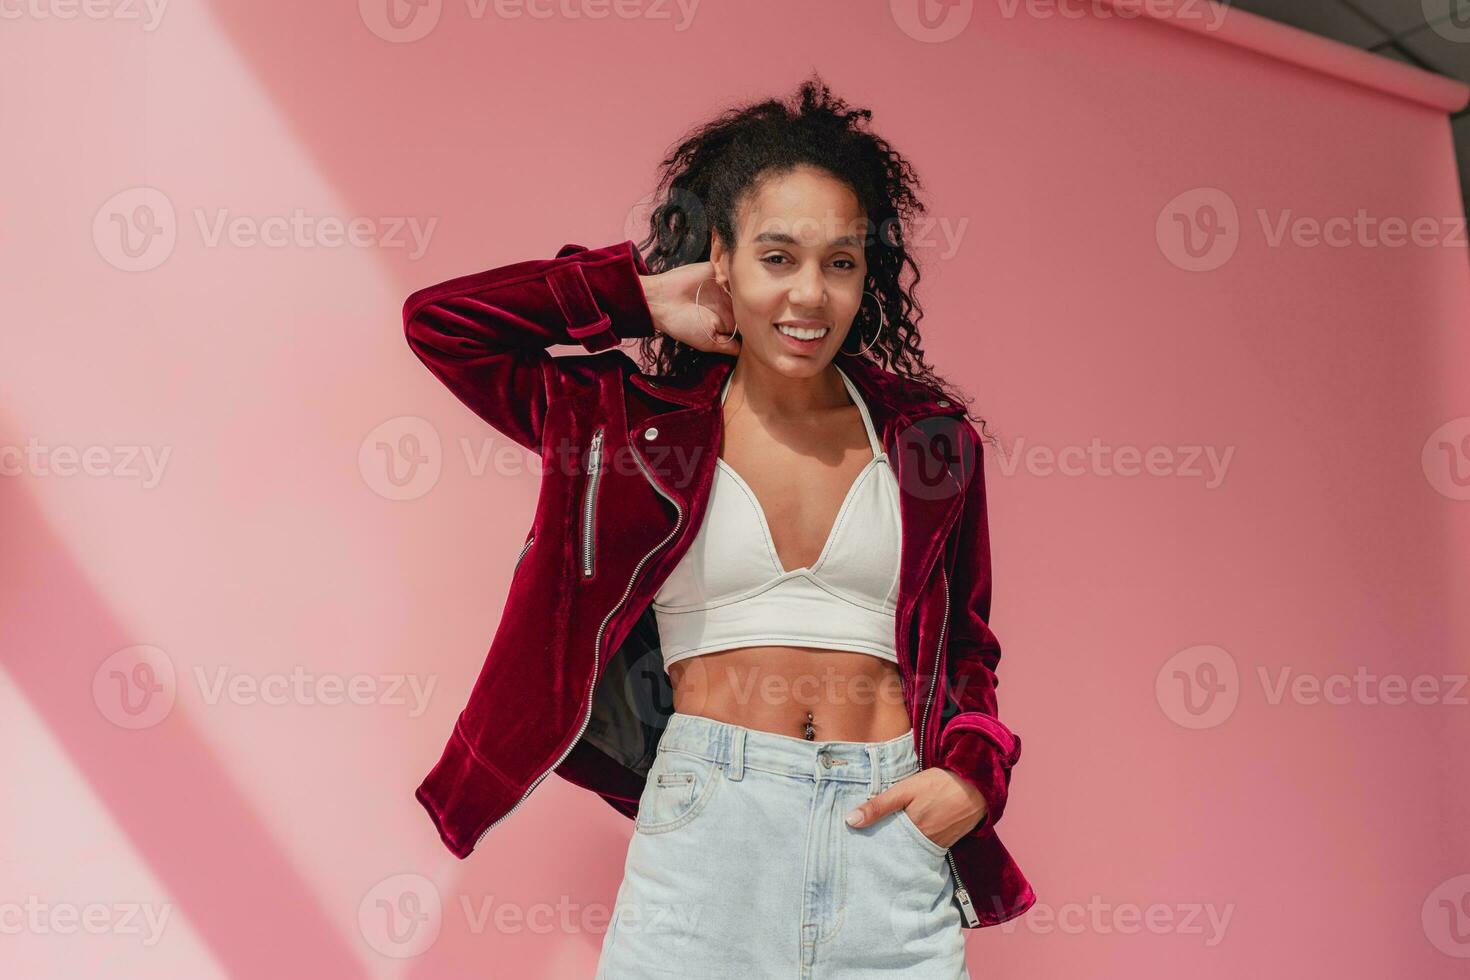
x: 801, y: 339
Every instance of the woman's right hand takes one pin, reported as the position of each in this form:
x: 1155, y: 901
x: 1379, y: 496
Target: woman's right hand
x: 707, y: 326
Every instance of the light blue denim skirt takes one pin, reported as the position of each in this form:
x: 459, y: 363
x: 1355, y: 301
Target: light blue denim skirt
x: 741, y: 866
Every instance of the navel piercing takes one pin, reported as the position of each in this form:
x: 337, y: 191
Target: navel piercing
x: 811, y: 732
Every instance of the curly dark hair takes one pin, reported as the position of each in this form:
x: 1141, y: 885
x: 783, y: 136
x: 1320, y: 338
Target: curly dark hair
x: 709, y: 173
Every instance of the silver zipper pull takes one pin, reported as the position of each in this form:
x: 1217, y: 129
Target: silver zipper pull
x: 966, y: 906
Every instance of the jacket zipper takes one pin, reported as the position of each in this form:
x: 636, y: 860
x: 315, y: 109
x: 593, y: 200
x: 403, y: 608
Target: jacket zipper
x: 967, y: 908
x: 589, y: 500
x: 597, y: 644
x: 524, y: 548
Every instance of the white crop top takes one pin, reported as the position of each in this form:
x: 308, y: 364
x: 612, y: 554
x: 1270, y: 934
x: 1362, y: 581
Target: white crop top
x: 730, y: 590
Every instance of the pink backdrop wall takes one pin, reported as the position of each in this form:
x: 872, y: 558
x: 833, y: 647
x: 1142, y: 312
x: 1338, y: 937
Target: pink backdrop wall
x: 237, y: 621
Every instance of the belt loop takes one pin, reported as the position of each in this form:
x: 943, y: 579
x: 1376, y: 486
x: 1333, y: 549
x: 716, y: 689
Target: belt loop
x: 735, y: 765
x: 875, y: 782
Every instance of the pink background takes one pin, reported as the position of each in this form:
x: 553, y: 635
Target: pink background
x: 1166, y: 827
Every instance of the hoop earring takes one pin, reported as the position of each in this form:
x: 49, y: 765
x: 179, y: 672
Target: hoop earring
x: 882, y: 325
x: 734, y: 333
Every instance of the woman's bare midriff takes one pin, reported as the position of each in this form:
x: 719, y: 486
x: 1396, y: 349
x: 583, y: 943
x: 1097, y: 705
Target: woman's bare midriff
x: 852, y: 697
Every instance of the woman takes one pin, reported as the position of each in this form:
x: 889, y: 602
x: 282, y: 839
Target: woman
x: 789, y: 818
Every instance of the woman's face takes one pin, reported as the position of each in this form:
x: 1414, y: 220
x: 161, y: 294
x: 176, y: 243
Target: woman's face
x: 798, y: 264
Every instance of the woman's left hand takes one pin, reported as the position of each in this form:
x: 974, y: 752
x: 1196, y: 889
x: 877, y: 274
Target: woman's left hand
x: 945, y: 807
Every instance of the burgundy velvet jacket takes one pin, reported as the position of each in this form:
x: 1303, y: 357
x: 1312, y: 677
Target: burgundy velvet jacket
x: 574, y: 682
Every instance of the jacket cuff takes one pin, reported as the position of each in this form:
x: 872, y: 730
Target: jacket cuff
x: 980, y: 750
x: 461, y: 792
x: 600, y: 295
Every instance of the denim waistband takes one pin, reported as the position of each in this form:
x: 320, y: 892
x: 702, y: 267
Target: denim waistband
x: 737, y: 748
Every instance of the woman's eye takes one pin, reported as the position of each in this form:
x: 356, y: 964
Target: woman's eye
x: 846, y: 265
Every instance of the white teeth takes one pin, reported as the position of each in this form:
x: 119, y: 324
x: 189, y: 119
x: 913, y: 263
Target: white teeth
x: 802, y: 333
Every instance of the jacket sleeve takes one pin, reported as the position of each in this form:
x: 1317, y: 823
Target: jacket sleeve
x: 973, y: 743
x: 485, y: 335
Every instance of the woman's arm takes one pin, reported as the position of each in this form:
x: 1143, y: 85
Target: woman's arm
x: 973, y: 743
x: 485, y: 335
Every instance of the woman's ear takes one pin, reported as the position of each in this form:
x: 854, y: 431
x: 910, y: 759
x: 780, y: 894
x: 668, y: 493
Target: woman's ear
x: 719, y: 257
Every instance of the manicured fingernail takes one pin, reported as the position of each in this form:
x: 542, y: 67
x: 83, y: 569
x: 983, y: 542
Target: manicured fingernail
x: 853, y: 816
